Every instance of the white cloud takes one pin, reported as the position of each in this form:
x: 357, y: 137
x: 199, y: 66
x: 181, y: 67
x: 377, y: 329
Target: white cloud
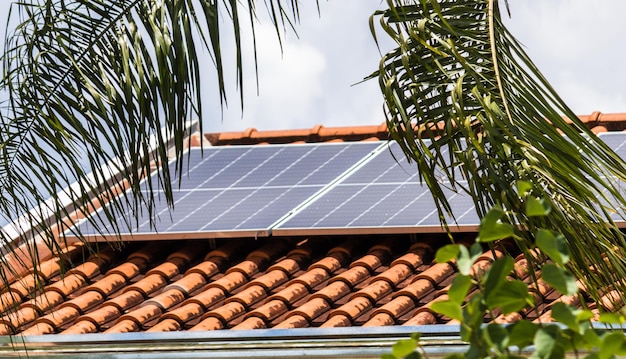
x: 290, y: 86
x: 579, y: 46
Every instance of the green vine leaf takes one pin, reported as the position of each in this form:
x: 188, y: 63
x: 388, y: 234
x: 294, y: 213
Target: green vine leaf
x: 537, y: 207
x: 566, y: 315
x: 509, y: 297
x: 466, y: 258
x: 612, y: 344
x: 459, y: 289
x: 448, y: 308
x: 559, y: 279
x: 497, y: 336
x: 521, y: 334
x: 523, y: 187
x: 447, y: 253
x: 554, y: 245
x: 612, y: 318
x: 547, y: 342
x: 496, y: 275
x: 404, y: 348
x: 492, y: 229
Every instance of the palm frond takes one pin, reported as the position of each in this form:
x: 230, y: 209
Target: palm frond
x: 95, y: 82
x: 458, y: 78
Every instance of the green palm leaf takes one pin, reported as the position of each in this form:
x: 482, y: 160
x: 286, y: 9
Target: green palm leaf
x: 106, y: 82
x: 458, y: 78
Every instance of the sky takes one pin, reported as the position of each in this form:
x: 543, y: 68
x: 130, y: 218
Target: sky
x: 577, y: 44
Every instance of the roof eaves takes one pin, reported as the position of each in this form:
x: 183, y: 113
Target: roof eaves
x: 352, y: 342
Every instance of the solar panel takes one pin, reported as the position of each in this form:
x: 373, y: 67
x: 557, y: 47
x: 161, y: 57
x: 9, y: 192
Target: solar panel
x: 383, y: 195
x: 310, y: 188
x: 240, y: 191
x: 617, y: 142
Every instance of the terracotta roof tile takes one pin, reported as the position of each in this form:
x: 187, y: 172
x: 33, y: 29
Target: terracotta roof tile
x: 250, y: 323
x: 139, y: 316
x: 318, y: 133
x: 353, y: 276
x: 210, y: 323
x: 230, y: 281
x: 44, y: 301
x: 209, y: 297
x: 313, y: 277
x: 39, y: 329
x: 108, y: 284
x: 207, y: 268
x: 148, y: 284
x: 88, y: 269
x: 294, y: 321
x: 97, y: 318
x: 166, y: 299
x: 10, y: 300
x: 126, y: 300
x: 312, y: 308
x: 128, y: 270
x: 82, y: 327
x: 166, y: 325
x: 294, y: 292
x: 189, y: 283
x: 270, y: 310
x: 124, y: 326
x: 227, y: 312
x: 185, y: 313
x: 59, y: 317
x: 362, y: 281
x: 67, y: 285
x: 86, y: 301
x: 249, y: 296
x: 334, y: 291
x: 48, y: 269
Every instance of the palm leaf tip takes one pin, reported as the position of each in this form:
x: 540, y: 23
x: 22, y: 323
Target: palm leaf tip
x: 464, y: 100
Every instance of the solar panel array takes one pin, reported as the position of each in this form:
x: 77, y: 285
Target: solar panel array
x: 330, y: 188
x: 243, y: 189
x: 384, y: 195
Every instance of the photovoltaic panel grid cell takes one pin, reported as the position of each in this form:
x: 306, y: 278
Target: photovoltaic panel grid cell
x: 383, y: 195
x: 243, y: 190
x: 617, y: 142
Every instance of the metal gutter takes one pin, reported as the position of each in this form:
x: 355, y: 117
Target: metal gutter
x: 351, y: 342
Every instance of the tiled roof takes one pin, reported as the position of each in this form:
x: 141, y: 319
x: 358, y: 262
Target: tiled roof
x: 242, y: 284
x: 300, y: 282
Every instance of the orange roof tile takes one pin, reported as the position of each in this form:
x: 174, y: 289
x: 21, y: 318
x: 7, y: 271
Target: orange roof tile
x: 597, y: 121
x: 381, y: 280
